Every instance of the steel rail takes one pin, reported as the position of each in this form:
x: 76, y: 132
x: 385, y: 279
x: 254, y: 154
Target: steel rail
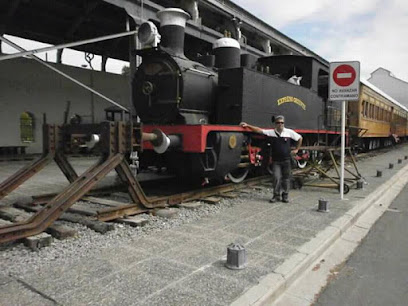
x: 24, y: 174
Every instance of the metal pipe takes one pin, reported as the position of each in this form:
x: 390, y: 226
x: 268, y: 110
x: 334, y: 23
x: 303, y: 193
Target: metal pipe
x: 67, y: 45
x: 200, y: 72
x: 63, y: 74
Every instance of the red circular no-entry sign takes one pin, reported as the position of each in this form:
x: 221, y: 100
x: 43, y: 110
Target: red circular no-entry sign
x: 344, y: 75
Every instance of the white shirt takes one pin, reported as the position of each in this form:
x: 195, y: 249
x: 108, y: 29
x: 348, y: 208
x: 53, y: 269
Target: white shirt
x: 289, y: 133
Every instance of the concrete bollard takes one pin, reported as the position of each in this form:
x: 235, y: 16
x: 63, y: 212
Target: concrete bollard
x: 236, y: 257
x: 360, y: 184
x: 390, y: 166
x: 323, y: 206
x: 379, y: 173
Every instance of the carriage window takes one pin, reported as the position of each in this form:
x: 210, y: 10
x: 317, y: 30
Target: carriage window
x: 27, y: 127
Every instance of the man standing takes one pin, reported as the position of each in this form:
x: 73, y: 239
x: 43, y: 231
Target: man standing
x: 281, y: 155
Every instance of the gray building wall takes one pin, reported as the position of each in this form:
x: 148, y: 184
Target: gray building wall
x: 396, y: 88
x: 27, y: 86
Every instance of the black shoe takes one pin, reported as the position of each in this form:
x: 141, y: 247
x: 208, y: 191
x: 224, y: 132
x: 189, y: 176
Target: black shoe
x: 285, y: 198
x: 275, y: 198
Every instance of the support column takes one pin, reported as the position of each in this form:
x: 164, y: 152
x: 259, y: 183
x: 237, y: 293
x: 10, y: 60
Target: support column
x: 59, y: 56
x: 266, y: 46
x: 134, y: 62
x: 103, y: 63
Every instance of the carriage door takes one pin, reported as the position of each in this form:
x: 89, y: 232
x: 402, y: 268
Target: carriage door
x: 393, y: 124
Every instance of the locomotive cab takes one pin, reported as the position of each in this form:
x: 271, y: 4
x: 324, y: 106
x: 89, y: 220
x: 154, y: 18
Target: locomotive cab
x: 309, y: 72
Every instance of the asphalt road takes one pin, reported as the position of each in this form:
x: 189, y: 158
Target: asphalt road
x: 377, y: 272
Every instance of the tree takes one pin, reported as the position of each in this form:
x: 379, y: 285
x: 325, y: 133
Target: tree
x: 126, y: 70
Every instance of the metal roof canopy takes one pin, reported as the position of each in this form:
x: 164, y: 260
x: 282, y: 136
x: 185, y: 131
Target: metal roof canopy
x: 57, y: 22
x: 61, y: 21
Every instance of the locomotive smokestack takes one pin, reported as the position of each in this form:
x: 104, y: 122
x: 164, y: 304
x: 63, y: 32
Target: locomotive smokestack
x: 172, y: 25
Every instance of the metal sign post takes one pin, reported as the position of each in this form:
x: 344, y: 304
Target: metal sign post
x: 344, y: 86
x: 343, y: 147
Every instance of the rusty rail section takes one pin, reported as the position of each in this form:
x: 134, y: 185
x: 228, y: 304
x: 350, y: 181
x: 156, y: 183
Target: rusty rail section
x: 117, y: 138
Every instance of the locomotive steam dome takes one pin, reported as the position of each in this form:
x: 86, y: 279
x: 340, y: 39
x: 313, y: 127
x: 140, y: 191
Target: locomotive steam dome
x: 227, y: 53
x: 168, y: 87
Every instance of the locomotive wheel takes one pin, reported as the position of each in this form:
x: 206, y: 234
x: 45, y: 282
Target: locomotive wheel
x: 238, y: 175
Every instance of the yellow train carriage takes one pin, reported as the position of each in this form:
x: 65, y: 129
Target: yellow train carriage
x: 376, y: 120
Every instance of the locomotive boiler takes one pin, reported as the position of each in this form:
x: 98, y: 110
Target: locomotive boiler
x: 193, y: 109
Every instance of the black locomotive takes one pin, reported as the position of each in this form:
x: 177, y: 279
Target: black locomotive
x: 194, y: 107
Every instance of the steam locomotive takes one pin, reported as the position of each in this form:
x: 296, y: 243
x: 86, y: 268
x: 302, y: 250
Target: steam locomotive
x: 193, y: 108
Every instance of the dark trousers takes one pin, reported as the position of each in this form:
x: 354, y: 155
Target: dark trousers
x: 281, y: 176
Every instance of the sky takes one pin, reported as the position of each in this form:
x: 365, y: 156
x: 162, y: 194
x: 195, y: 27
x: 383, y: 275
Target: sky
x: 373, y: 32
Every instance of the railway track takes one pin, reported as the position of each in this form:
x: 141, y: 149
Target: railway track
x: 95, y: 211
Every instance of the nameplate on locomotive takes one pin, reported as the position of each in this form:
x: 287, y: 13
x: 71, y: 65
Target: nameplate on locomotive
x: 290, y: 99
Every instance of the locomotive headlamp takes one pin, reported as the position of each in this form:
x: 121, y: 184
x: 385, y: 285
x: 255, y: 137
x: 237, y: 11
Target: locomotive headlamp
x: 148, y: 34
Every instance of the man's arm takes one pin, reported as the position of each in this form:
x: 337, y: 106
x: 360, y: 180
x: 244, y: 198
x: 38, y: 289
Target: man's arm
x: 251, y: 127
x: 298, y: 145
